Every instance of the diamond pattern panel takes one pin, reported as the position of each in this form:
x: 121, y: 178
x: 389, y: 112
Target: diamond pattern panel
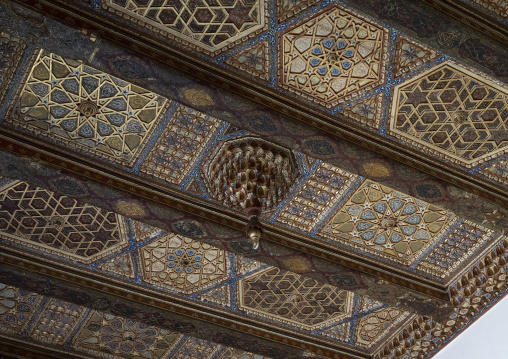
x: 232, y: 353
x: 74, y: 105
x: 179, y: 146
x: 183, y: 265
x: 452, y: 113
x: 333, y: 57
x: 58, y: 224
x: 57, y: 322
x: 204, y: 24
x: 455, y: 249
x: 390, y: 224
x: 327, y: 185
x: 195, y: 348
x: 290, y: 298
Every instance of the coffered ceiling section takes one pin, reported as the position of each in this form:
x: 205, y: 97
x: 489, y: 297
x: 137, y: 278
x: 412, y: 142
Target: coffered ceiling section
x: 359, y: 70
x: 171, y: 146
x: 72, y: 328
x: 68, y: 102
x: 180, y: 267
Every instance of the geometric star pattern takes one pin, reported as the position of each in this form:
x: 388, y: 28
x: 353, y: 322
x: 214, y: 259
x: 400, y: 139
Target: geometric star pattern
x: 382, y: 221
x: 333, y: 56
x: 204, y: 24
x: 293, y: 299
x: 67, y: 102
x: 121, y: 265
x: 122, y: 337
x: 16, y: 308
x: 182, y: 264
x: 368, y: 111
x: 58, y: 224
x: 452, y: 113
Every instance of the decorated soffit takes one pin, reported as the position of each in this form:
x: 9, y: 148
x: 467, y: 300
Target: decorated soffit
x: 375, y: 217
x: 496, y: 9
x: 72, y: 328
x: 136, y: 132
x: 359, y: 70
x: 162, y: 262
x: 178, y: 266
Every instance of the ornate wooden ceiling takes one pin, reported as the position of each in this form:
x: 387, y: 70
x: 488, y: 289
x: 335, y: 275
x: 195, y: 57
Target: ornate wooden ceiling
x: 389, y: 244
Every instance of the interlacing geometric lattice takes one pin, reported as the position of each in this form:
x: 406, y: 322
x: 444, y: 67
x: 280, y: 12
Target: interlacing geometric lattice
x: 453, y: 113
x: 58, y: 224
x: 80, y: 107
x: 332, y: 56
x: 206, y: 24
x: 290, y: 298
x: 388, y: 223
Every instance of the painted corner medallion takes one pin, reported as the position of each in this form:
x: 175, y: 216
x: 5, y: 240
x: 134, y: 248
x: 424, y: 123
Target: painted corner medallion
x: 206, y: 25
x: 453, y: 114
x: 81, y: 108
x: 333, y: 57
x: 389, y: 224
